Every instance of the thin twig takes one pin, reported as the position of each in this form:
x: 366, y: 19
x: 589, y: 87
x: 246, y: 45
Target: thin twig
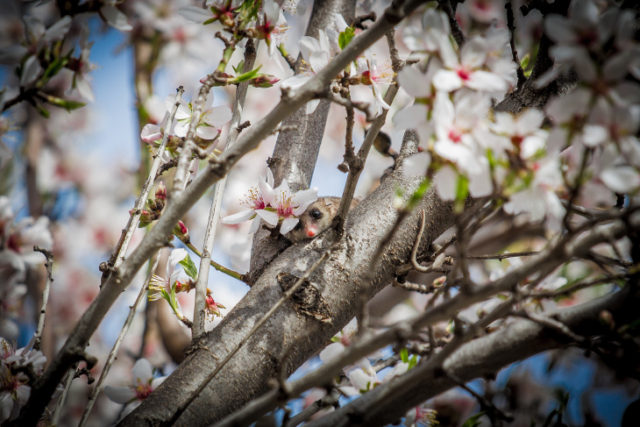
x: 37, y: 337
x: 461, y: 251
x: 329, y: 400
x: 422, y: 288
x: 288, y: 58
x: 132, y: 224
x: 221, y: 268
x: 116, y: 346
x: 514, y: 53
x: 349, y: 154
x: 358, y: 166
x: 416, y: 246
x: 348, y: 103
x: 199, y: 309
x: 456, y: 31
x: 492, y: 411
x: 71, y: 374
x: 550, y: 323
x: 575, y: 287
x: 575, y: 189
x: 500, y: 257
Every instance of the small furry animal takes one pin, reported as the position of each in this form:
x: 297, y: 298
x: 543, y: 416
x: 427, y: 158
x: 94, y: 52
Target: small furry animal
x: 316, y: 218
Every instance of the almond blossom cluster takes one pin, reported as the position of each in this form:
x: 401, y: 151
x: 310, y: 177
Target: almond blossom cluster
x: 469, y: 150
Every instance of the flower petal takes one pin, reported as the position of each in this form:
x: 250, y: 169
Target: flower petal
x: 288, y: 224
x: 218, y: 116
x: 416, y: 165
x: 115, y: 18
x: 446, y: 181
x: 194, y: 14
x: 119, y: 394
x: 621, y: 179
x: 271, y: 218
x: 142, y: 370
x: 447, y: 81
x: 238, y: 217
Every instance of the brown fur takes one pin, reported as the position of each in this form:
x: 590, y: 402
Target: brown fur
x: 310, y: 223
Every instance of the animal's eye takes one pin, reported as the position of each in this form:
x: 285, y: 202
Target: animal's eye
x: 315, y: 213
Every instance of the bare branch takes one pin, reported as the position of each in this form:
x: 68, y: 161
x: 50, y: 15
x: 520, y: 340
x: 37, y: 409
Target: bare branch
x: 37, y: 336
x: 123, y: 244
x: 199, y: 309
x: 97, y: 388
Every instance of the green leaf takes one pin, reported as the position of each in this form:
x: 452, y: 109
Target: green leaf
x: 238, y: 68
x: 462, y: 188
x: 43, y: 111
x: 413, y: 361
x: 247, y: 11
x: 345, y: 37
x: 417, y: 195
x: 404, y: 355
x: 54, y: 67
x: 209, y: 21
x: 492, y: 159
x: 173, y: 301
x: 462, y: 191
x: 189, y: 267
x: 474, y: 420
x: 67, y: 104
x: 247, y: 76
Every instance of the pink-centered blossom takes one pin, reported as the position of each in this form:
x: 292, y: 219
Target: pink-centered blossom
x: 273, y: 205
x: 377, y: 77
x: 272, y: 25
x: 82, y: 67
x: 142, y: 386
x: 467, y: 69
x: 38, y: 37
x: 519, y: 133
x: 455, y: 126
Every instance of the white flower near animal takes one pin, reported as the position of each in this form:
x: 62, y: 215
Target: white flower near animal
x: 273, y: 205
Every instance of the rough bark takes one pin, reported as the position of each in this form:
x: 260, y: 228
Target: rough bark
x: 345, y: 281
